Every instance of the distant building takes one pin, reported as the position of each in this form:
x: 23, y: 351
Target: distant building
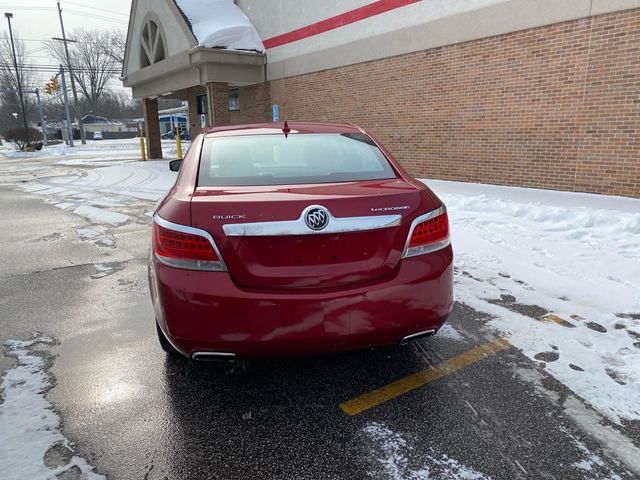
x: 95, y: 123
x: 94, y: 120
x: 170, y: 121
x: 536, y: 93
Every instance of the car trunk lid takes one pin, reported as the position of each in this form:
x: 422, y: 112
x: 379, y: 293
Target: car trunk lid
x: 265, y: 242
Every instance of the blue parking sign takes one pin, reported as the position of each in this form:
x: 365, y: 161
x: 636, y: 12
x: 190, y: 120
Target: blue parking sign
x: 276, y: 112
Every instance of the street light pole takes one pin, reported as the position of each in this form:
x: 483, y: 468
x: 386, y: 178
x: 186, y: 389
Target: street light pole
x: 9, y: 16
x: 83, y: 137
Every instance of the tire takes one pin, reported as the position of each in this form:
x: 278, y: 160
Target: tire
x: 164, y: 343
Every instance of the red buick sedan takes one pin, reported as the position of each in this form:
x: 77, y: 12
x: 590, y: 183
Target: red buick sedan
x: 296, y: 239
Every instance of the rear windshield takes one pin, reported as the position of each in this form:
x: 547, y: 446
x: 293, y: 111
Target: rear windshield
x: 299, y: 158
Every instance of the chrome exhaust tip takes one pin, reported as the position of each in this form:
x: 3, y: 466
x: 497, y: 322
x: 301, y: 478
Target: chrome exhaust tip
x: 416, y: 336
x: 212, y: 356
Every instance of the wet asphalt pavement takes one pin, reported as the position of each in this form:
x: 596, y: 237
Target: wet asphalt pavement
x: 133, y: 413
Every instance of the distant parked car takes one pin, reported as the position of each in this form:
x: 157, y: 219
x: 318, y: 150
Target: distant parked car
x: 296, y: 239
x: 97, y: 135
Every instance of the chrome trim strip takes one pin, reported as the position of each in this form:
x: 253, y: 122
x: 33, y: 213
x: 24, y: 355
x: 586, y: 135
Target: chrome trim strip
x: 201, y: 265
x: 188, y: 265
x: 299, y: 227
x: 432, y: 247
x: 425, y: 248
x: 212, y: 355
x: 416, y: 336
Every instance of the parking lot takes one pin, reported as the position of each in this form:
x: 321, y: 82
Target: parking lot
x: 469, y: 403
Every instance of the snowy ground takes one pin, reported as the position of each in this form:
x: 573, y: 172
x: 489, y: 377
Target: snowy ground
x: 107, y: 192
x: 96, y: 194
x: 391, y: 453
x: 115, y: 149
x: 559, y: 274
x: 573, y: 260
x: 37, y: 450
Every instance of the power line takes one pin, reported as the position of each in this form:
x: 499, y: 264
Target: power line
x: 79, y: 70
x: 88, y: 15
x: 44, y: 40
x: 23, y: 7
x: 45, y: 67
x: 69, y: 10
x: 121, y: 27
x: 95, y: 8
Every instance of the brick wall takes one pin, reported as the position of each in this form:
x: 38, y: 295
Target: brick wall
x: 218, y: 103
x: 553, y: 107
x: 255, y: 104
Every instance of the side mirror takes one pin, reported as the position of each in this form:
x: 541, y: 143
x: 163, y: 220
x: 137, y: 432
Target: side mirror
x: 174, y: 165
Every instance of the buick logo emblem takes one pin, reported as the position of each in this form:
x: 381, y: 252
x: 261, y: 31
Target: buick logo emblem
x: 317, y: 218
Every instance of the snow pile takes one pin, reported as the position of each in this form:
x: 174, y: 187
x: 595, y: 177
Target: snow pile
x: 590, y: 461
x: 29, y: 427
x: 102, y: 270
x: 93, y: 152
x: 448, y: 331
x: 140, y: 180
x: 117, y: 148
x: 87, y: 233
x: 391, y: 450
x: 109, y: 195
x: 560, y: 273
x: 99, y: 215
x: 220, y: 24
x: 99, y: 193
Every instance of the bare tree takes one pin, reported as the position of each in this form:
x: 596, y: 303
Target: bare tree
x: 10, y: 101
x: 116, y: 46
x: 92, y: 65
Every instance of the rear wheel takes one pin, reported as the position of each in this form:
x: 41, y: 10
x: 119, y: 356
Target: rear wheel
x: 164, y: 343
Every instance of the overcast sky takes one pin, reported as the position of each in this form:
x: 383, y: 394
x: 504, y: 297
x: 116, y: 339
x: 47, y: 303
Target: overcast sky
x: 37, y: 20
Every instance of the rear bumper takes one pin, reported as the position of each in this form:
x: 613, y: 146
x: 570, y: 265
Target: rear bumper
x: 206, y: 311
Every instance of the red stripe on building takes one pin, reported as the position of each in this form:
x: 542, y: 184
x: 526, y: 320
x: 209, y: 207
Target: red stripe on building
x: 338, y: 21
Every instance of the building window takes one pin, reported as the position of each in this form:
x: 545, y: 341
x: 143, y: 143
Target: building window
x: 152, y: 47
x: 201, y: 102
x: 234, y: 100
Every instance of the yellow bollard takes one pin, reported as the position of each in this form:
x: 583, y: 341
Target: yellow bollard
x: 178, y: 144
x: 142, y: 152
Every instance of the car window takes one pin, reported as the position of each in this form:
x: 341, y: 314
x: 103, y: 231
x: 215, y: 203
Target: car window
x: 296, y: 159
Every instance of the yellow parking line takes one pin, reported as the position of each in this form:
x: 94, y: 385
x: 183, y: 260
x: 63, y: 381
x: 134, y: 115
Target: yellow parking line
x: 550, y: 317
x: 418, y: 379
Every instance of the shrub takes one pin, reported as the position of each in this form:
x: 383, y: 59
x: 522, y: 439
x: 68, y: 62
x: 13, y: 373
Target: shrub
x: 29, y: 139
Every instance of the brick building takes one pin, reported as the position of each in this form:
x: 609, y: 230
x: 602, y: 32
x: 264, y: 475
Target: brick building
x: 536, y: 93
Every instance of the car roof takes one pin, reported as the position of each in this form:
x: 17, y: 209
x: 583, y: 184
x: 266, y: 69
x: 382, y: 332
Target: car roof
x: 275, y: 128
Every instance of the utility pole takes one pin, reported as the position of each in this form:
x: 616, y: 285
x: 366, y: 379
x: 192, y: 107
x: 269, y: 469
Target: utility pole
x: 83, y: 137
x: 15, y: 64
x: 66, y: 106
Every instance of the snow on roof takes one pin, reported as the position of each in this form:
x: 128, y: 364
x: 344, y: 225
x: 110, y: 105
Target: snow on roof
x: 220, y: 24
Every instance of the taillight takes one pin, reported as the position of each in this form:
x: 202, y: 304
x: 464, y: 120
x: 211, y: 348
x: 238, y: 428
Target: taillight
x: 428, y: 233
x: 185, y: 247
